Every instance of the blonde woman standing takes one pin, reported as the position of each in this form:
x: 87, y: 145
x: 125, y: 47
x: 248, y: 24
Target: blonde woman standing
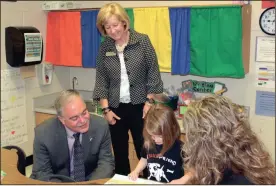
x: 127, y: 78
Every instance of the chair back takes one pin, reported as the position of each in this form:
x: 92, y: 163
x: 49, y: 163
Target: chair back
x: 56, y: 178
x: 21, y: 163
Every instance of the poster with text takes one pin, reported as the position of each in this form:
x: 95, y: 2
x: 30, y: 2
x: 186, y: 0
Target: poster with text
x: 265, y: 103
x: 13, y: 111
x: 33, y: 47
x: 265, y: 49
x: 265, y: 75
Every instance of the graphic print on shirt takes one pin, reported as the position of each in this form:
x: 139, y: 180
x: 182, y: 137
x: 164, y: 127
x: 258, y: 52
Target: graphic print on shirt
x: 164, y: 168
x: 156, y: 171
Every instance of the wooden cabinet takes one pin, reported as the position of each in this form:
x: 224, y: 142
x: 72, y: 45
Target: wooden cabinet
x: 40, y: 117
x: 133, y: 160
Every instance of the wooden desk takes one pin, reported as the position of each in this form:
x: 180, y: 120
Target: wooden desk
x: 9, y: 160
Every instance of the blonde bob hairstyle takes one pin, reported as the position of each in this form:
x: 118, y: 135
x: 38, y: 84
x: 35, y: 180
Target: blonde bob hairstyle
x: 109, y: 10
x: 219, y: 137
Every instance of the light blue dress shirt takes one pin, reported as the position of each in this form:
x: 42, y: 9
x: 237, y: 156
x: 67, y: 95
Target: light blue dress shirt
x: 71, y: 140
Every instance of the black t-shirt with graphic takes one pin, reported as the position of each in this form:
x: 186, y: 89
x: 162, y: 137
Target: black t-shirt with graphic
x: 167, y: 167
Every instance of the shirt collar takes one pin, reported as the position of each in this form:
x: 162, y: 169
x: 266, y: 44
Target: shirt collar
x: 69, y: 132
x: 133, y: 38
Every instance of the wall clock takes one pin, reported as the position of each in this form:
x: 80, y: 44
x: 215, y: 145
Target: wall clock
x: 267, y: 21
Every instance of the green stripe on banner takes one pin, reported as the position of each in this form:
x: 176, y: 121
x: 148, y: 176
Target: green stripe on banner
x: 131, y: 19
x: 216, y: 42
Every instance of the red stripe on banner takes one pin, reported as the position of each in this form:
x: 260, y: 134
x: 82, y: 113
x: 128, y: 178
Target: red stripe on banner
x: 263, y: 79
x: 267, y: 4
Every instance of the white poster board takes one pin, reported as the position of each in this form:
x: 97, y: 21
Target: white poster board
x: 265, y: 49
x: 13, y: 111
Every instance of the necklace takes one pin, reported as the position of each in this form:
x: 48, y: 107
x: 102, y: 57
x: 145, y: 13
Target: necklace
x: 120, y: 48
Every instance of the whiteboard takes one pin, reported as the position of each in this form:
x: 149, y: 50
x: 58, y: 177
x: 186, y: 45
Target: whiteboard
x: 13, y: 111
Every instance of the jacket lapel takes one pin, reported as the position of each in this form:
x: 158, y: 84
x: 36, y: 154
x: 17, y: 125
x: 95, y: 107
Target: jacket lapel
x: 110, y: 45
x: 62, y: 145
x: 87, y: 139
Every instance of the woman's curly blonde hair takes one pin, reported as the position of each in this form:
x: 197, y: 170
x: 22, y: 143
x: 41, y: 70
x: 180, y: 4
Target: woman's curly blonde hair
x: 219, y: 137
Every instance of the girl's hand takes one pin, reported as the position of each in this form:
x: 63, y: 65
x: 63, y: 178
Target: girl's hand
x: 146, y: 109
x: 111, y: 117
x: 133, y: 176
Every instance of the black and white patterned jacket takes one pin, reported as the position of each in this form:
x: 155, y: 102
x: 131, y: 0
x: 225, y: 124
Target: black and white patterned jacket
x: 141, y: 65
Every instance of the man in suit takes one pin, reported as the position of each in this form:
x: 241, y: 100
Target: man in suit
x: 74, y: 144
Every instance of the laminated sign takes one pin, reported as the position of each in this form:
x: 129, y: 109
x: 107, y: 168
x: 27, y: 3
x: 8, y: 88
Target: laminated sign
x: 204, y: 87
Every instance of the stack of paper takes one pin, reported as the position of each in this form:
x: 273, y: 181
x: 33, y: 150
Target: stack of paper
x: 121, y: 179
x: 3, y: 174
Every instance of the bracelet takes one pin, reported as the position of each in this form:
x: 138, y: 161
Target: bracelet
x: 106, y: 111
x: 150, y: 101
x: 105, y: 108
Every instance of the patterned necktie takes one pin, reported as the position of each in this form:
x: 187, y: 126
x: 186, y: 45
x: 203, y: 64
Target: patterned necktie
x: 79, y: 170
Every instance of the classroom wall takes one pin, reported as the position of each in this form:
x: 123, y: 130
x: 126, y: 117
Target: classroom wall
x: 242, y: 91
x: 29, y: 13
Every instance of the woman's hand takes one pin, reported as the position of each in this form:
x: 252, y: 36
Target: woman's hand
x: 177, y: 181
x: 186, y: 179
x: 133, y: 175
x: 111, y: 117
x: 146, y: 109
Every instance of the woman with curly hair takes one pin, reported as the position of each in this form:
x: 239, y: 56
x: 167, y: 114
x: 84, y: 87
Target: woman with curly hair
x: 221, y: 148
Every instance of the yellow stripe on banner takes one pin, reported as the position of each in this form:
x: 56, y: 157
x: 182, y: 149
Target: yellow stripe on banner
x: 155, y: 22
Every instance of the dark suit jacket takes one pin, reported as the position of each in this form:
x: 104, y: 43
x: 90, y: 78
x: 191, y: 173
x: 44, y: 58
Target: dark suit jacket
x: 51, y: 152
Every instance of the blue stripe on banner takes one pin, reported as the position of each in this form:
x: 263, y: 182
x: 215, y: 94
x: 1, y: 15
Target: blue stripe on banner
x: 180, y: 31
x: 91, y: 38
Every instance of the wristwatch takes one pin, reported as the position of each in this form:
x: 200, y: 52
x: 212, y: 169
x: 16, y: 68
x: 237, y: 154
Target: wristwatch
x: 105, y: 110
x: 150, y: 100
